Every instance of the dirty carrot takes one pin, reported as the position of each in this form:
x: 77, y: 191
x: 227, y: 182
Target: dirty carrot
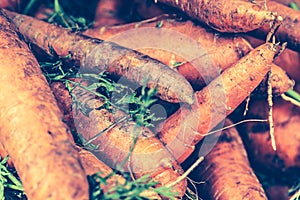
x: 288, y: 60
x: 188, y: 125
x: 32, y: 132
x: 198, y: 68
x: 226, y: 172
x: 225, y: 15
x: 93, y: 165
x: 286, y: 121
x: 114, y: 145
x: 289, y: 30
x: 95, y: 55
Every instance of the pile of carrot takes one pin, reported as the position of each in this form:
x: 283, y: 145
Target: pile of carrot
x: 162, y: 99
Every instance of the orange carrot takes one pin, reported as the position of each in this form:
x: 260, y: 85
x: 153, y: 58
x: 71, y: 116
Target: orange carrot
x: 199, y: 69
x: 97, y: 56
x: 188, y: 125
x: 226, y: 171
x: 93, y: 165
x: 289, y: 60
x: 32, y: 132
x: 225, y: 15
x: 113, y: 146
x: 289, y: 30
x: 286, y: 121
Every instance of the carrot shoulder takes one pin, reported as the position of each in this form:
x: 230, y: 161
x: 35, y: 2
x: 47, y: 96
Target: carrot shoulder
x: 225, y: 15
x: 96, y: 55
x: 32, y: 132
x: 188, y: 125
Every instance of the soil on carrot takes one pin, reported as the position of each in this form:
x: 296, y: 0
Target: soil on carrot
x: 242, y: 82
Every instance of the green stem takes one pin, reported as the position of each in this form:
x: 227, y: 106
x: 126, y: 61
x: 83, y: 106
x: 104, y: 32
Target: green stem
x: 294, y: 6
x: 29, y: 6
x: 14, y: 187
x: 295, y: 95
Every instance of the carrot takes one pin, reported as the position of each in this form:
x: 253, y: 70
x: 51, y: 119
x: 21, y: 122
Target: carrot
x: 289, y: 31
x: 288, y: 60
x: 188, y: 125
x: 226, y: 171
x: 111, y: 12
x: 93, y: 165
x: 32, y: 132
x: 225, y: 15
x: 97, y: 56
x: 211, y: 47
x: 286, y: 121
x: 113, y: 146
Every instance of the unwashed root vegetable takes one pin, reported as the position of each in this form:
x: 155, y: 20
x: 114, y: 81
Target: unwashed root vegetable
x: 31, y: 129
x: 148, y: 156
x: 95, y: 55
x: 93, y: 165
x: 200, y: 59
x: 182, y: 130
x: 225, y: 171
x: 289, y: 31
x: 288, y: 60
x: 225, y: 15
x: 286, y: 125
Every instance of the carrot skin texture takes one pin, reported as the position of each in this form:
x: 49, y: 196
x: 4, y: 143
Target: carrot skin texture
x: 215, y: 45
x: 93, y: 165
x: 95, y: 55
x: 289, y: 30
x: 286, y: 121
x: 225, y: 15
x: 149, y: 154
x: 217, y: 100
x: 31, y: 129
x: 226, y: 171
